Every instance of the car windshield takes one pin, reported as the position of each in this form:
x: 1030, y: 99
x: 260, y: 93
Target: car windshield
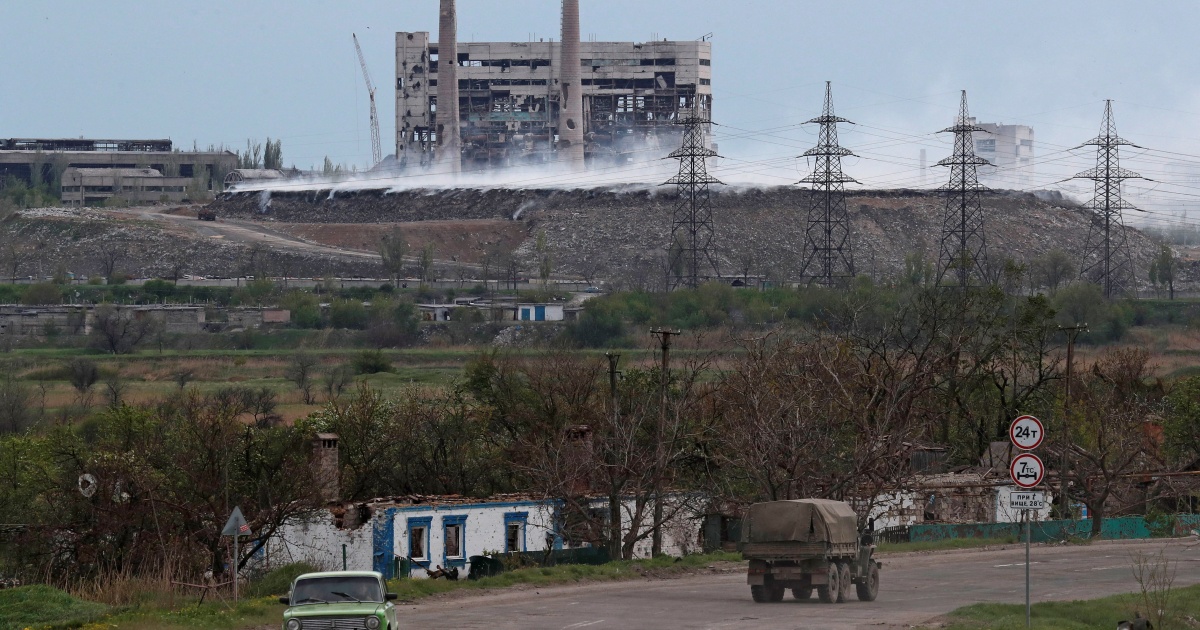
x: 334, y: 589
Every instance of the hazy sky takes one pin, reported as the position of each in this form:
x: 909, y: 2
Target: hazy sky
x: 222, y: 72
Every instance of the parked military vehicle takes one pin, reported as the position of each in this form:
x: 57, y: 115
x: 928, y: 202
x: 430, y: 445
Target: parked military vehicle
x: 808, y: 544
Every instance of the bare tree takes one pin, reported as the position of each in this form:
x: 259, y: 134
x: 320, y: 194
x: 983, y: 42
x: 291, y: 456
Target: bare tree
x: 108, y: 254
x: 336, y: 379
x: 1110, y: 439
x: 120, y: 331
x: 301, y: 371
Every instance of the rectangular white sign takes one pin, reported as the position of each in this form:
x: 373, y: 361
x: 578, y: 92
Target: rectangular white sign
x: 1027, y: 500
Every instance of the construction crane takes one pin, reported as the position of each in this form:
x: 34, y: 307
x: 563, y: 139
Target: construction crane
x: 376, y: 150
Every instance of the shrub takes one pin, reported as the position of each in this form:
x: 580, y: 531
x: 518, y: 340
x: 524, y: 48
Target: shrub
x: 372, y: 362
x: 42, y: 293
x: 279, y: 581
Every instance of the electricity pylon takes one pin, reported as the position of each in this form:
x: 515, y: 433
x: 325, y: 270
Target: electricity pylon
x: 689, y: 254
x: 963, y: 250
x: 828, y: 253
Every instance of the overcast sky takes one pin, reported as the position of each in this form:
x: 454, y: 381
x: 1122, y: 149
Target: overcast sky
x: 221, y: 72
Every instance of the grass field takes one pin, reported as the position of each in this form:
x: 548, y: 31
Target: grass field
x: 1104, y: 612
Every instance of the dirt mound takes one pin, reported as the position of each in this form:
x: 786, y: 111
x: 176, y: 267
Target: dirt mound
x: 622, y: 233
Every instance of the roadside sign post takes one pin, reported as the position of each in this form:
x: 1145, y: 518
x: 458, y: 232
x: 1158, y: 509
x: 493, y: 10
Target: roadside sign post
x: 233, y: 527
x: 1027, y: 471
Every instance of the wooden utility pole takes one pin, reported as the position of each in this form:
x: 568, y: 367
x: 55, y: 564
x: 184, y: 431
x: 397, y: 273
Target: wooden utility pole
x: 664, y: 336
x: 1064, y: 501
x: 614, y: 497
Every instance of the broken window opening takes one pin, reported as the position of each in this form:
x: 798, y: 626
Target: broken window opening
x: 514, y: 531
x: 454, y: 540
x: 418, y: 538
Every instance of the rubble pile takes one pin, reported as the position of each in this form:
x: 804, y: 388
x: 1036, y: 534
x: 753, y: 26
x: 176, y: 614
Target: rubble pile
x: 621, y: 233
x: 78, y: 242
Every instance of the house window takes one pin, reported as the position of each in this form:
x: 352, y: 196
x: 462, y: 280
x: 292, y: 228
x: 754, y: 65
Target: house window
x: 454, y: 540
x: 514, y: 531
x: 418, y: 538
x: 706, y: 62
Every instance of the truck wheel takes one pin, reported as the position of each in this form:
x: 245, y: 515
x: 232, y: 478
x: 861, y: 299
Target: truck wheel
x: 758, y: 593
x: 829, y: 591
x: 845, y: 582
x: 868, y: 590
x: 775, y: 592
x: 802, y: 592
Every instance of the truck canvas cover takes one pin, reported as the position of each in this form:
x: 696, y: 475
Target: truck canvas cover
x: 802, y: 520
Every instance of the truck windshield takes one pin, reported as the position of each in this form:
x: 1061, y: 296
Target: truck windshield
x: 336, y: 589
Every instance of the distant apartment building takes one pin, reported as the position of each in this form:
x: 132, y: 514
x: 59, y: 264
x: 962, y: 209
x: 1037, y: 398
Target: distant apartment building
x: 1010, y: 150
x: 50, y: 158
x: 509, y: 98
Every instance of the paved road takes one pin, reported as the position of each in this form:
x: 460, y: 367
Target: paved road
x: 914, y: 589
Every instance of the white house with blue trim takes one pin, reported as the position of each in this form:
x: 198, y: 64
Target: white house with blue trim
x: 424, y: 533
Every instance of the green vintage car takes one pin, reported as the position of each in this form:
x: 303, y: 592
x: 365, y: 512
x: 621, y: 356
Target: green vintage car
x: 341, y: 600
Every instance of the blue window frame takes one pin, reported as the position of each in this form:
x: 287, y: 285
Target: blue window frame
x: 454, y: 541
x: 514, y: 531
x: 418, y: 539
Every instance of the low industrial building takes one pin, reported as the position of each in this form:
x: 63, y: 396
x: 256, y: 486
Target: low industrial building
x: 94, y: 186
x: 50, y: 157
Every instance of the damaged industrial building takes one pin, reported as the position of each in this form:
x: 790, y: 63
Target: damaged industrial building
x: 514, y: 101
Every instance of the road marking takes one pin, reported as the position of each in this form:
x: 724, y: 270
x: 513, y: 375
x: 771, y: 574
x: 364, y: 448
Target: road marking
x: 582, y: 624
x: 1015, y: 564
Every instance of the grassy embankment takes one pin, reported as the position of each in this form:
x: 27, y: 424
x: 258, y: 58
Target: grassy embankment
x: 1104, y: 612
x: 45, y: 607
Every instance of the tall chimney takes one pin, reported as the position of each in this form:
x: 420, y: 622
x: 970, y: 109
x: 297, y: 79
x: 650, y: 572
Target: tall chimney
x: 326, y: 466
x: 570, y: 106
x: 449, y: 153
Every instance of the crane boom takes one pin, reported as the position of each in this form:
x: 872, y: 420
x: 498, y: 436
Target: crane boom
x: 376, y: 147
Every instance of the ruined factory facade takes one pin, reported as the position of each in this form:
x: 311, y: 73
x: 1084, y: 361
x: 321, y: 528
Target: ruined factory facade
x: 509, y: 98
x: 143, y: 170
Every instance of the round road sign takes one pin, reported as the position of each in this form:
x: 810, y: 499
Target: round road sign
x: 1026, y: 470
x: 1026, y: 433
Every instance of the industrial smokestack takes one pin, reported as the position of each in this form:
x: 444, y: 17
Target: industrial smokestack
x: 570, y: 108
x: 449, y: 151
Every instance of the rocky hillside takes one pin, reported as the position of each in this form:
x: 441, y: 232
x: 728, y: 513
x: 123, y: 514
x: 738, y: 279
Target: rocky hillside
x: 621, y: 233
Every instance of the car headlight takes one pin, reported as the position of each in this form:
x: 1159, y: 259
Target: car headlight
x: 372, y: 622
x: 293, y: 624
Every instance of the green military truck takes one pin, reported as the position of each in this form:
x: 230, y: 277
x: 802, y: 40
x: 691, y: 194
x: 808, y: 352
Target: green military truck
x: 808, y: 544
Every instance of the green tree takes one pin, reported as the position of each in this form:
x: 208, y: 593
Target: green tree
x: 425, y: 263
x: 1163, y: 268
x: 392, y: 250
x: 273, y: 154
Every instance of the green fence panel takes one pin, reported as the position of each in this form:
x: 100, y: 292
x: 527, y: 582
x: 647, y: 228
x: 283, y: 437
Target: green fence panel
x: 1125, y: 527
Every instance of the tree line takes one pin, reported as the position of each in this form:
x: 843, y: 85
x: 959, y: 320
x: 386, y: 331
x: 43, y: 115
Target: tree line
x: 836, y: 410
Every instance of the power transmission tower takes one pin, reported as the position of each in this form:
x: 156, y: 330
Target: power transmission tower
x: 691, y: 221
x: 1106, y: 257
x: 963, y: 250
x: 376, y: 148
x: 828, y: 254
